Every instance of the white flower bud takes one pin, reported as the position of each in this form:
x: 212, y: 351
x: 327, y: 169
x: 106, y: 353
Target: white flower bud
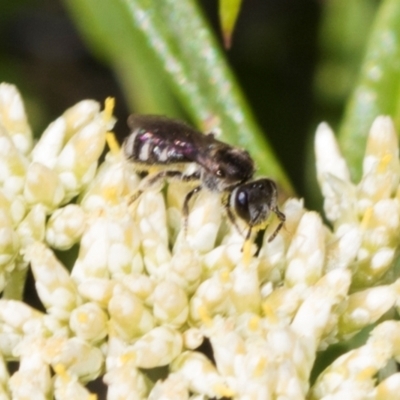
x: 129, y: 318
x: 51, y: 142
x: 141, y: 285
x: 352, y: 375
x: 245, y: 294
x: 114, y: 182
x: 158, y: 347
x: 76, y: 355
x: 171, y: 388
x: 77, y: 162
x: 125, y: 381
x: 20, y: 317
x: 9, y: 240
x: 89, y: 322
x: 4, y: 376
x: 33, y: 371
x: 306, y: 254
x: 381, y: 166
x: 227, y: 343
x: 109, y: 246
x: 170, y: 304
x: 32, y: 227
x: 65, y: 227
x: 343, y: 247
x: 54, y: 285
x: 315, y: 314
x: 211, y: 297
x: 388, y: 388
x: 366, y: 307
x: 272, y: 255
x: 97, y: 290
x: 13, y: 166
x: 185, y: 269
x: 200, y: 375
x: 13, y: 118
x: 150, y: 217
x: 42, y: 186
x: 192, y: 338
x: 67, y: 386
x: 282, y: 303
x: 328, y: 156
x: 203, y: 222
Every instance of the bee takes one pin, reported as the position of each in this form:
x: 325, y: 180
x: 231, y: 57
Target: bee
x: 181, y: 152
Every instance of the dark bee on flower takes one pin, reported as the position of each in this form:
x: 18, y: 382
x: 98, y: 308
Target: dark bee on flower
x: 181, y: 152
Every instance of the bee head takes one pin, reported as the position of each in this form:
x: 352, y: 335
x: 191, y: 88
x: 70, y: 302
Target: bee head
x: 253, y: 201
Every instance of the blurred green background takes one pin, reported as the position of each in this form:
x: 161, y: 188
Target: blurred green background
x: 296, y: 62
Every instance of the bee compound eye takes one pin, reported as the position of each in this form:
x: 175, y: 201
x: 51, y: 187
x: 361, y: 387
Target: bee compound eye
x: 242, y: 199
x: 242, y: 204
x: 220, y: 173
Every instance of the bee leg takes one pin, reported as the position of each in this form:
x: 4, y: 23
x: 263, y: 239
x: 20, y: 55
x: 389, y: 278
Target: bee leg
x: 185, y: 209
x: 151, y: 180
x: 134, y: 197
x: 282, y: 219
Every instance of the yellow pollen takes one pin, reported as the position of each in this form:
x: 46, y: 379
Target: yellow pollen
x: 224, y: 275
x: 366, y: 218
x: 260, y: 367
x: 205, y: 317
x: 110, y: 193
x: 82, y: 317
x: 223, y: 391
x: 384, y: 162
x: 366, y: 373
x: 60, y: 370
x: 247, y: 253
x: 92, y: 396
x: 153, y: 170
x: 112, y: 143
x: 254, y: 323
x: 128, y: 357
x: 109, y: 105
x: 269, y: 312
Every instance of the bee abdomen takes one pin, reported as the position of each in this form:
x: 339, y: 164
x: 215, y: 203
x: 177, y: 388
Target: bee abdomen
x: 146, y: 148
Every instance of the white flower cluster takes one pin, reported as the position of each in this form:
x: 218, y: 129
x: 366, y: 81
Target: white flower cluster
x: 142, y: 296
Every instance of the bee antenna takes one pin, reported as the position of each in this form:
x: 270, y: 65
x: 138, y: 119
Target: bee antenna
x: 282, y: 219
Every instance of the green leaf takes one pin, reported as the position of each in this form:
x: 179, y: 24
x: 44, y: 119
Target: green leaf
x: 170, y: 45
x: 377, y: 89
x: 228, y: 13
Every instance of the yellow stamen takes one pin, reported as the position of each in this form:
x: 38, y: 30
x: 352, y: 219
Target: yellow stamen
x: 60, y: 370
x: 384, y: 162
x: 269, y: 313
x: 82, y: 317
x: 366, y: 373
x: 110, y: 193
x: 247, y: 252
x: 224, y: 275
x: 128, y: 357
x: 112, y: 142
x: 223, y: 391
x: 205, y: 317
x: 109, y: 105
x: 254, y: 323
x: 366, y: 218
x: 260, y: 367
